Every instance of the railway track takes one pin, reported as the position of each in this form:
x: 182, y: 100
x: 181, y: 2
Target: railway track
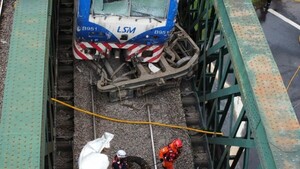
x: 75, y: 85
x: 64, y: 124
x: 133, y: 161
x: 200, y: 149
x: 134, y: 139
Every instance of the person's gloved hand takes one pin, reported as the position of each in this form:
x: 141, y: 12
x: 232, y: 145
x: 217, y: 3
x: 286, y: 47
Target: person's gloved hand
x: 161, y: 160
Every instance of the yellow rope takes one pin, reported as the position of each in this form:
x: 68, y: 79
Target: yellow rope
x: 293, y: 78
x: 134, y: 122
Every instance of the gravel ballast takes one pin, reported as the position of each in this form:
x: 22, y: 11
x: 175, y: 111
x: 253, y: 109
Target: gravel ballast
x: 6, y: 22
x: 165, y: 107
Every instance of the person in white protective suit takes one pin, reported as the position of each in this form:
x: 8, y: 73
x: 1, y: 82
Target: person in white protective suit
x: 91, y: 156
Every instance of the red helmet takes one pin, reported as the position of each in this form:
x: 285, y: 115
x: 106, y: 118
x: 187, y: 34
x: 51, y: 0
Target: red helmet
x: 177, y: 142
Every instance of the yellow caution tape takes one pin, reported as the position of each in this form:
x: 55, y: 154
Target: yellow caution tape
x: 134, y: 122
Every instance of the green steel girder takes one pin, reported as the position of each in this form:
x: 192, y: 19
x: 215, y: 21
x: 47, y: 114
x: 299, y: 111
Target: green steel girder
x: 238, y: 142
x: 239, y: 86
x: 26, y: 136
x: 263, y: 92
x: 221, y: 93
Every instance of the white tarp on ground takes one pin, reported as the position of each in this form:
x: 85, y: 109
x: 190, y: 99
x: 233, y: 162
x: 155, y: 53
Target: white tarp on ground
x: 91, y: 156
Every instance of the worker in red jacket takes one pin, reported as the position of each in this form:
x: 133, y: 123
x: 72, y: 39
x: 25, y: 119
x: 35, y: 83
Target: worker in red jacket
x: 170, y: 153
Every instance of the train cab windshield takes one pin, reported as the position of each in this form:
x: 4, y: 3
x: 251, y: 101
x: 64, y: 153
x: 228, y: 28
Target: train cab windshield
x: 133, y: 8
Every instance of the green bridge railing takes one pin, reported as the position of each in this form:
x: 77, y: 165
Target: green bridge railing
x: 239, y: 87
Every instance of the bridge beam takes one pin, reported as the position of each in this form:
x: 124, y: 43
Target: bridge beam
x: 272, y: 118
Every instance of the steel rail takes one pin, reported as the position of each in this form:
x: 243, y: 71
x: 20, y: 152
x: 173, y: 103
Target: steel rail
x: 1, y: 5
x: 152, y: 141
x: 93, y: 107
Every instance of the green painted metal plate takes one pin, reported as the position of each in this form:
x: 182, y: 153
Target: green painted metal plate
x: 273, y: 121
x: 22, y: 128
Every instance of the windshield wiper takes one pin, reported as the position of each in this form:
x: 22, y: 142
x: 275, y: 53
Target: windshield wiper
x: 149, y: 15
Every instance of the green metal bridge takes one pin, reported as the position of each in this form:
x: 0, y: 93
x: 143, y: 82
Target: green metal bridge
x: 236, y: 65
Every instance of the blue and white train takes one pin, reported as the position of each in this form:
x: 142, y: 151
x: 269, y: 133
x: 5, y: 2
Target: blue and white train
x: 142, y: 35
x: 140, y: 27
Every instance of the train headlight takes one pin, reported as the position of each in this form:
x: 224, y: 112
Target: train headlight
x: 90, y: 51
x: 147, y: 53
x: 124, y: 37
x: 96, y: 34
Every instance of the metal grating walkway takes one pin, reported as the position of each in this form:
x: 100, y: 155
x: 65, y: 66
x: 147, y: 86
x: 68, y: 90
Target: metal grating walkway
x: 22, y: 128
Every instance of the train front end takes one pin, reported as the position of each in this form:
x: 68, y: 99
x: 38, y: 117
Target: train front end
x: 135, y: 46
x: 137, y: 29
